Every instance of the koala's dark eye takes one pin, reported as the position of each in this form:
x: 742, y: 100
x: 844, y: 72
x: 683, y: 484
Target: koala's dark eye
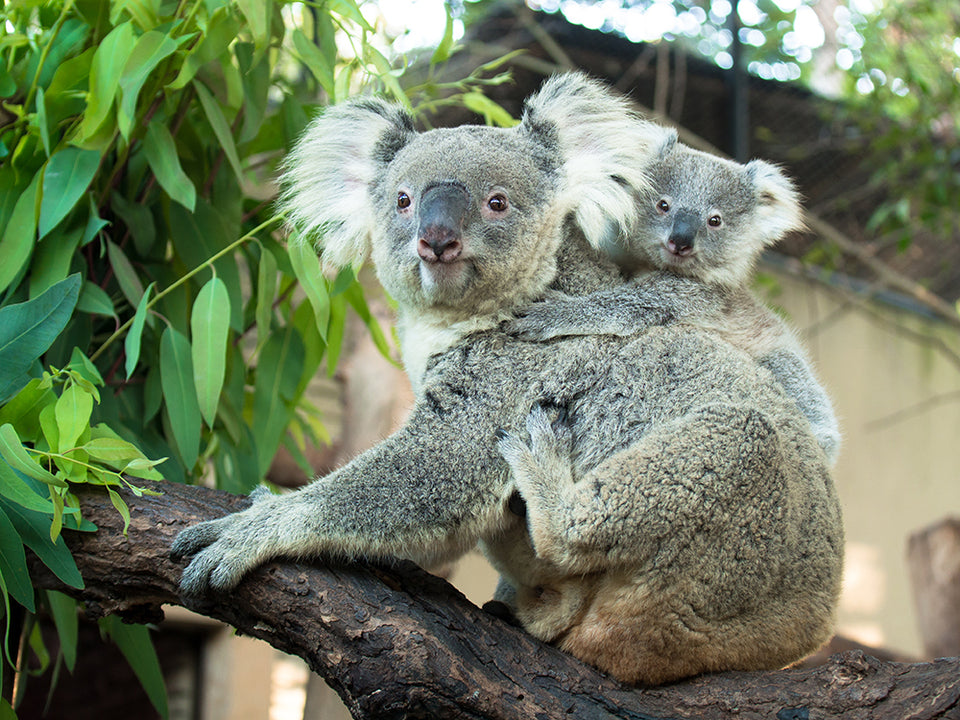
x: 497, y: 203
x: 714, y: 221
x: 403, y: 200
x: 663, y: 206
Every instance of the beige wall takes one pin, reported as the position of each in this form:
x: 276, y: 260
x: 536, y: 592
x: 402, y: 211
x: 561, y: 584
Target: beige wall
x: 899, y: 468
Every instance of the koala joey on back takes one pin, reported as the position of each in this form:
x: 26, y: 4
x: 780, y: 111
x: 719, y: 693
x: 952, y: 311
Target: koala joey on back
x: 705, y: 534
x: 700, y: 234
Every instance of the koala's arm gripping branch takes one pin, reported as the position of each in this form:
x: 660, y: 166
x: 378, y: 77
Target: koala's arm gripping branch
x: 386, y: 502
x: 399, y: 643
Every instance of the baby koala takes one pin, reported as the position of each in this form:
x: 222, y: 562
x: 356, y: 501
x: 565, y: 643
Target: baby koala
x: 700, y: 234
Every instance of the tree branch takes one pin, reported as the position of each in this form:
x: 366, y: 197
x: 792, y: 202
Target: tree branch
x: 397, y: 642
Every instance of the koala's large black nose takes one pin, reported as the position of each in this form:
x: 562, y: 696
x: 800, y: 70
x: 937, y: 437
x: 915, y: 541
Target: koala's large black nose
x: 683, y: 233
x: 443, y: 209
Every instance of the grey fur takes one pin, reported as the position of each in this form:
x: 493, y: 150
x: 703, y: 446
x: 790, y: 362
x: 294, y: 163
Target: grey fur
x: 692, y: 487
x: 707, y: 288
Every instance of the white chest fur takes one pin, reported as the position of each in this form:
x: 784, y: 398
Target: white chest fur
x: 423, y: 336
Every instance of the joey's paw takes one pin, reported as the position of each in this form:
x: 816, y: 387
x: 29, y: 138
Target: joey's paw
x: 549, y: 319
x: 830, y: 440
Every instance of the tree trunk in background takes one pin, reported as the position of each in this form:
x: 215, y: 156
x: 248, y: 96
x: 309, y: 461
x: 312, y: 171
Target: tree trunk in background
x: 933, y: 556
x: 399, y: 643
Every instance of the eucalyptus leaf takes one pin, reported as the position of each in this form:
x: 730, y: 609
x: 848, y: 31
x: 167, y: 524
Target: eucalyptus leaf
x: 14, y: 489
x: 66, y: 619
x: 278, y: 375
x: 266, y: 294
x: 23, y: 409
x: 127, y: 276
x: 131, y: 343
x: 73, y: 411
x: 13, y: 564
x: 257, y: 13
x: 67, y: 176
x: 150, y: 49
x: 33, y: 528
x: 27, y: 329
x: 306, y: 266
x: 134, y: 642
x: 105, y: 77
x: 180, y: 394
x: 316, y: 62
x: 220, y: 127
x: 210, y: 329
x: 95, y: 301
x: 161, y: 153
x: 17, y: 241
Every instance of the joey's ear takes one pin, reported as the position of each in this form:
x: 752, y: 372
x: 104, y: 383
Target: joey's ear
x: 668, y: 142
x: 329, y: 175
x: 778, y: 202
x: 603, y: 145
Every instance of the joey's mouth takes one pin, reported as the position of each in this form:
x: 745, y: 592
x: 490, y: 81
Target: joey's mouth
x: 676, y: 260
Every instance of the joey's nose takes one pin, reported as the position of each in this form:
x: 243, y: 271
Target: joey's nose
x: 683, y: 233
x: 680, y: 245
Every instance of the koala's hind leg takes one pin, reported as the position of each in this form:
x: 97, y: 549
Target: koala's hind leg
x: 543, y: 473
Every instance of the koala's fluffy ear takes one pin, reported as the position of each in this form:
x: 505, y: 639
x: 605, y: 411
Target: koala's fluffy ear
x: 604, y: 147
x: 330, y: 173
x: 778, y: 202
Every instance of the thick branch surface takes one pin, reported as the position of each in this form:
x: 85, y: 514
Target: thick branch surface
x: 399, y: 643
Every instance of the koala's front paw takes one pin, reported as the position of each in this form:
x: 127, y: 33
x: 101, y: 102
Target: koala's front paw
x: 547, y: 461
x: 223, y: 550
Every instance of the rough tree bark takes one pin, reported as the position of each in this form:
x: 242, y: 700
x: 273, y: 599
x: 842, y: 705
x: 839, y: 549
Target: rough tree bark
x: 399, y: 643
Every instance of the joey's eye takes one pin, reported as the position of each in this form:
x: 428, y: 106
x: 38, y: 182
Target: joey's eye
x: 714, y: 221
x: 497, y: 203
x: 663, y: 206
x: 403, y: 200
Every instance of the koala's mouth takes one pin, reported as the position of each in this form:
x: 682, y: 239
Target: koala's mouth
x: 445, y: 280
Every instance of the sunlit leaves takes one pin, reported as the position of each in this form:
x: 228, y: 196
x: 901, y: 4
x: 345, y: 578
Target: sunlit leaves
x: 315, y: 60
x: 105, y: 80
x: 136, y: 165
x: 150, y: 49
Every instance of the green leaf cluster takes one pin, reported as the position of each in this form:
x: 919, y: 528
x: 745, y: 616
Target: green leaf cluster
x: 905, y: 88
x: 149, y: 324
x: 153, y: 322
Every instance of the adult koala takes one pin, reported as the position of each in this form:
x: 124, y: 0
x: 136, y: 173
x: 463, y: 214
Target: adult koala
x: 708, y: 535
